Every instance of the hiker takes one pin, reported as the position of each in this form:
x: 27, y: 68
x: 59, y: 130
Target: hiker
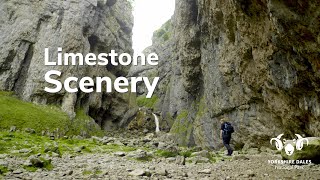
x: 225, y: 134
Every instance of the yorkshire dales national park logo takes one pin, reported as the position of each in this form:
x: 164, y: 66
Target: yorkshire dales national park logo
x: 288, y: 145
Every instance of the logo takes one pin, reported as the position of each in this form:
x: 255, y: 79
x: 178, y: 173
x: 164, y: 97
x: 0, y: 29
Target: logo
x: 288, y: 145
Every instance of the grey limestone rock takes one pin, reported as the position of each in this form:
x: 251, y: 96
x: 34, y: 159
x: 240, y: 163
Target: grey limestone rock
x: 92, y: 26
x: 253, y: 62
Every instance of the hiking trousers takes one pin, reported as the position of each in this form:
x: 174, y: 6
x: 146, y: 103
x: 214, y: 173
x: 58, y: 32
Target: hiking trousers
x: 226, y: 142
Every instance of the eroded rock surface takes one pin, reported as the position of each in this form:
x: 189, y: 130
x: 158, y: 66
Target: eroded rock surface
x: 95, y: 26
x: 255, y: 62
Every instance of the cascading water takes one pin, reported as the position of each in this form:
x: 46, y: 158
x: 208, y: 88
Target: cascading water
x: 156, y: 120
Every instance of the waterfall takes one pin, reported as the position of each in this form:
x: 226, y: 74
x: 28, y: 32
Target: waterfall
x: 156, y: 120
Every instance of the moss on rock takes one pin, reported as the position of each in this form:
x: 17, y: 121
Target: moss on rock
x: 182, y: 128
x: 143, y: 120
x: 142, y: 101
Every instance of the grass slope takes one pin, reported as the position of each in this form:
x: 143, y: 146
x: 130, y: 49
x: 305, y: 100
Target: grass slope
x: 14, y: 112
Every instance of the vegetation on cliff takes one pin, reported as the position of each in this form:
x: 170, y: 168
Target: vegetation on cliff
x: 43, y: 118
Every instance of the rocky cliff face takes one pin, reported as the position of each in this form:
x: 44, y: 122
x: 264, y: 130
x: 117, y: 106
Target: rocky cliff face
x: 28, y: 27
x: 254, y: 62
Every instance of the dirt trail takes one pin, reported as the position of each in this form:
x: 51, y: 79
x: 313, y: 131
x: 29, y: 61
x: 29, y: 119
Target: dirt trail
x: 108, y: 166
x: 134, y: 156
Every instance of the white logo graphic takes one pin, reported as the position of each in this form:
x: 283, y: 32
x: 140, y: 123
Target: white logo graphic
x: 288, y: 145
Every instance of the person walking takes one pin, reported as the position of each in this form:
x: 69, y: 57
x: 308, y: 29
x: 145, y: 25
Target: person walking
x: 225, y: 134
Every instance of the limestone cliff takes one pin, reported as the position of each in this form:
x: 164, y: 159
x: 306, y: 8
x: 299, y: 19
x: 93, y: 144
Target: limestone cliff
x: 255, y: 62
x: 28, y: 27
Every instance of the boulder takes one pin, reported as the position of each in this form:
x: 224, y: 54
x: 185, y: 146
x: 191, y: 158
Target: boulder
x: 203, y: 153
x: 198, y: 160
x: 205, y: 171
x: 13, y: 128
x: 180, y: 160
x: 25, y: 151
x: 140, y: 172
x: 36, y: 162
x: 138, y: 154
x: 162, y: 172
x: 119, y: 154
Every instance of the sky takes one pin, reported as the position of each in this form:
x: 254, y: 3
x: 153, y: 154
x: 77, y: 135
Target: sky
x: 149, y: 15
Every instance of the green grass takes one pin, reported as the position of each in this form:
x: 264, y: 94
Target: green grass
x: 14, y: 112
x: 142, y: 101
x: 143, y: 159
x: 30, y: 168
x: 83, y: 123
x: 46, y: 165
x: 3, y: 170
x: 12, y: 142
x: 166, y: 154
x: 89, y: 172
x: 186, y: 153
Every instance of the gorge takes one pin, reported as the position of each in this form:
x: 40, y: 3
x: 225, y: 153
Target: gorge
x: 254, y: 62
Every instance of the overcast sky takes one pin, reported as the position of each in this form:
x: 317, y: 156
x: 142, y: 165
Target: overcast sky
x: 149, y: 15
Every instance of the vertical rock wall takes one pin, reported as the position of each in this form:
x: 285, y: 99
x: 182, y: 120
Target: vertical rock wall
x: 255, y: 62
x: 28, y: 27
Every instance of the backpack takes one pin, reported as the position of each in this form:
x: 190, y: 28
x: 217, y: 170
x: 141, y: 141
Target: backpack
x: 228, y: 128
